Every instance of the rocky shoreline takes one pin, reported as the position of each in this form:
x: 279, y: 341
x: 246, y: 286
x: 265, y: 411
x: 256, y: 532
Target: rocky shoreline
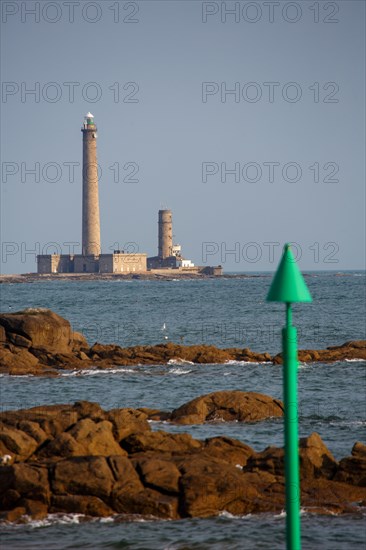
x: 82, y: 459
x: 40, y: 342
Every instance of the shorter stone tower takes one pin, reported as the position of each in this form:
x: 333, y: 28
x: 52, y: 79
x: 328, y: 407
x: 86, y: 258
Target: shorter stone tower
x: 165, y: 234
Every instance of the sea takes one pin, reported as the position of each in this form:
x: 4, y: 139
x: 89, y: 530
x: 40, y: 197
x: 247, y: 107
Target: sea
x: 226, y: 312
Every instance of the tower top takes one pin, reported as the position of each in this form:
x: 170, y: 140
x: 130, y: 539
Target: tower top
x: 88, y: 121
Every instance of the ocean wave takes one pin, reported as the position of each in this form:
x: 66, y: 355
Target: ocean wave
x: 348, y: 423
x: 74, y: 519
x: 235, y: 363
x: 355, y: 360
x: 95, y: 372
x: 179, y: 362
x: 180, y: 371
x: 227, y: 515
x: 49, y: 520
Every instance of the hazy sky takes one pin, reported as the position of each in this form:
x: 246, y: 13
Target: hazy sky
x: 280, y: 158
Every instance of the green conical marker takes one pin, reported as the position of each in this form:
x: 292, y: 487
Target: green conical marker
x: 289, y: 286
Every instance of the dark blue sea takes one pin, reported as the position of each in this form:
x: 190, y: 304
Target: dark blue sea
x: 227, y: 312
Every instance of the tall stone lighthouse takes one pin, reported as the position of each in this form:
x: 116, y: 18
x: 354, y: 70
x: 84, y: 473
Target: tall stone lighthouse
x: 90, y: 208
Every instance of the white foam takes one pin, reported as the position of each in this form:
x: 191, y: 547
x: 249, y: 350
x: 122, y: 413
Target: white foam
x: 228, y: 515
x: 180, y: 371
x: 54, y: 519
x: 240, y: 363
x: 282, y: 514
x: 179, y: 362
x: 96, y: 372
x: 355, y: 361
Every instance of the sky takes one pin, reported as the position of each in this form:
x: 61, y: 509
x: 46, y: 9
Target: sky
x: 246, y: 119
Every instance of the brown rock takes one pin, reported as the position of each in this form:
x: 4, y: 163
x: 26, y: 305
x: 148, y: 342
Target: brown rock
x: 228, y: 406
x: 18, y: 362
x: 16, y: 443
x: 111, y: 352
x: 18, y: 340
x: 52, y: 419
x: 85, y: 438
x: 352, y: 469
x: 326, y: 496
x: 84, y: 475
x: 227, y: 449
x: 34, y: 508
x: 158, y: 474
x: 88, y: 409
x: 33, y: 430
x: 43, y: 327
x: 125, y: 475
x: 80, y: 504
x: 270, y: 460
x: 315, y: 459
x: 129, y: 496
x: 28, y: 480
x: 79, y: 342
x: 160, y: 442
x: 211, y: 486
x: 14, y: 515
x: 155, y: 414
x: 127, y: 421
x: 147, y: 503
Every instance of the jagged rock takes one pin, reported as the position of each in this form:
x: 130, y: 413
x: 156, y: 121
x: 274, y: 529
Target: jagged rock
x: 18, y: 362
x: 86, y: 438
x: 79, y: 342
x: 127, y: 421
x: 228, y: 449
x: 148, y: 503
x: 35, y: 339
x: 84, y: 475
x: 126, y: 486
x: 165, y: 475
x: 52, y: 419
x: 211, y: 486
x: 228, y: 406
x: 88, y: 409
x: 315, y: 459
x: 352, y: 469
x: 18, y: 340
x: 160, y: 442
x: 159, y: 474
x: 23, y: 480
x: 355, y: 349
x: 43, y: 327
x: 16, y: 443
x: 80, y: 504
x: 155, y: 414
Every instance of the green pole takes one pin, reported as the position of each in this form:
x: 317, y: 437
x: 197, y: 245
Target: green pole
x: 288, y: 286
x: 290, y: 364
